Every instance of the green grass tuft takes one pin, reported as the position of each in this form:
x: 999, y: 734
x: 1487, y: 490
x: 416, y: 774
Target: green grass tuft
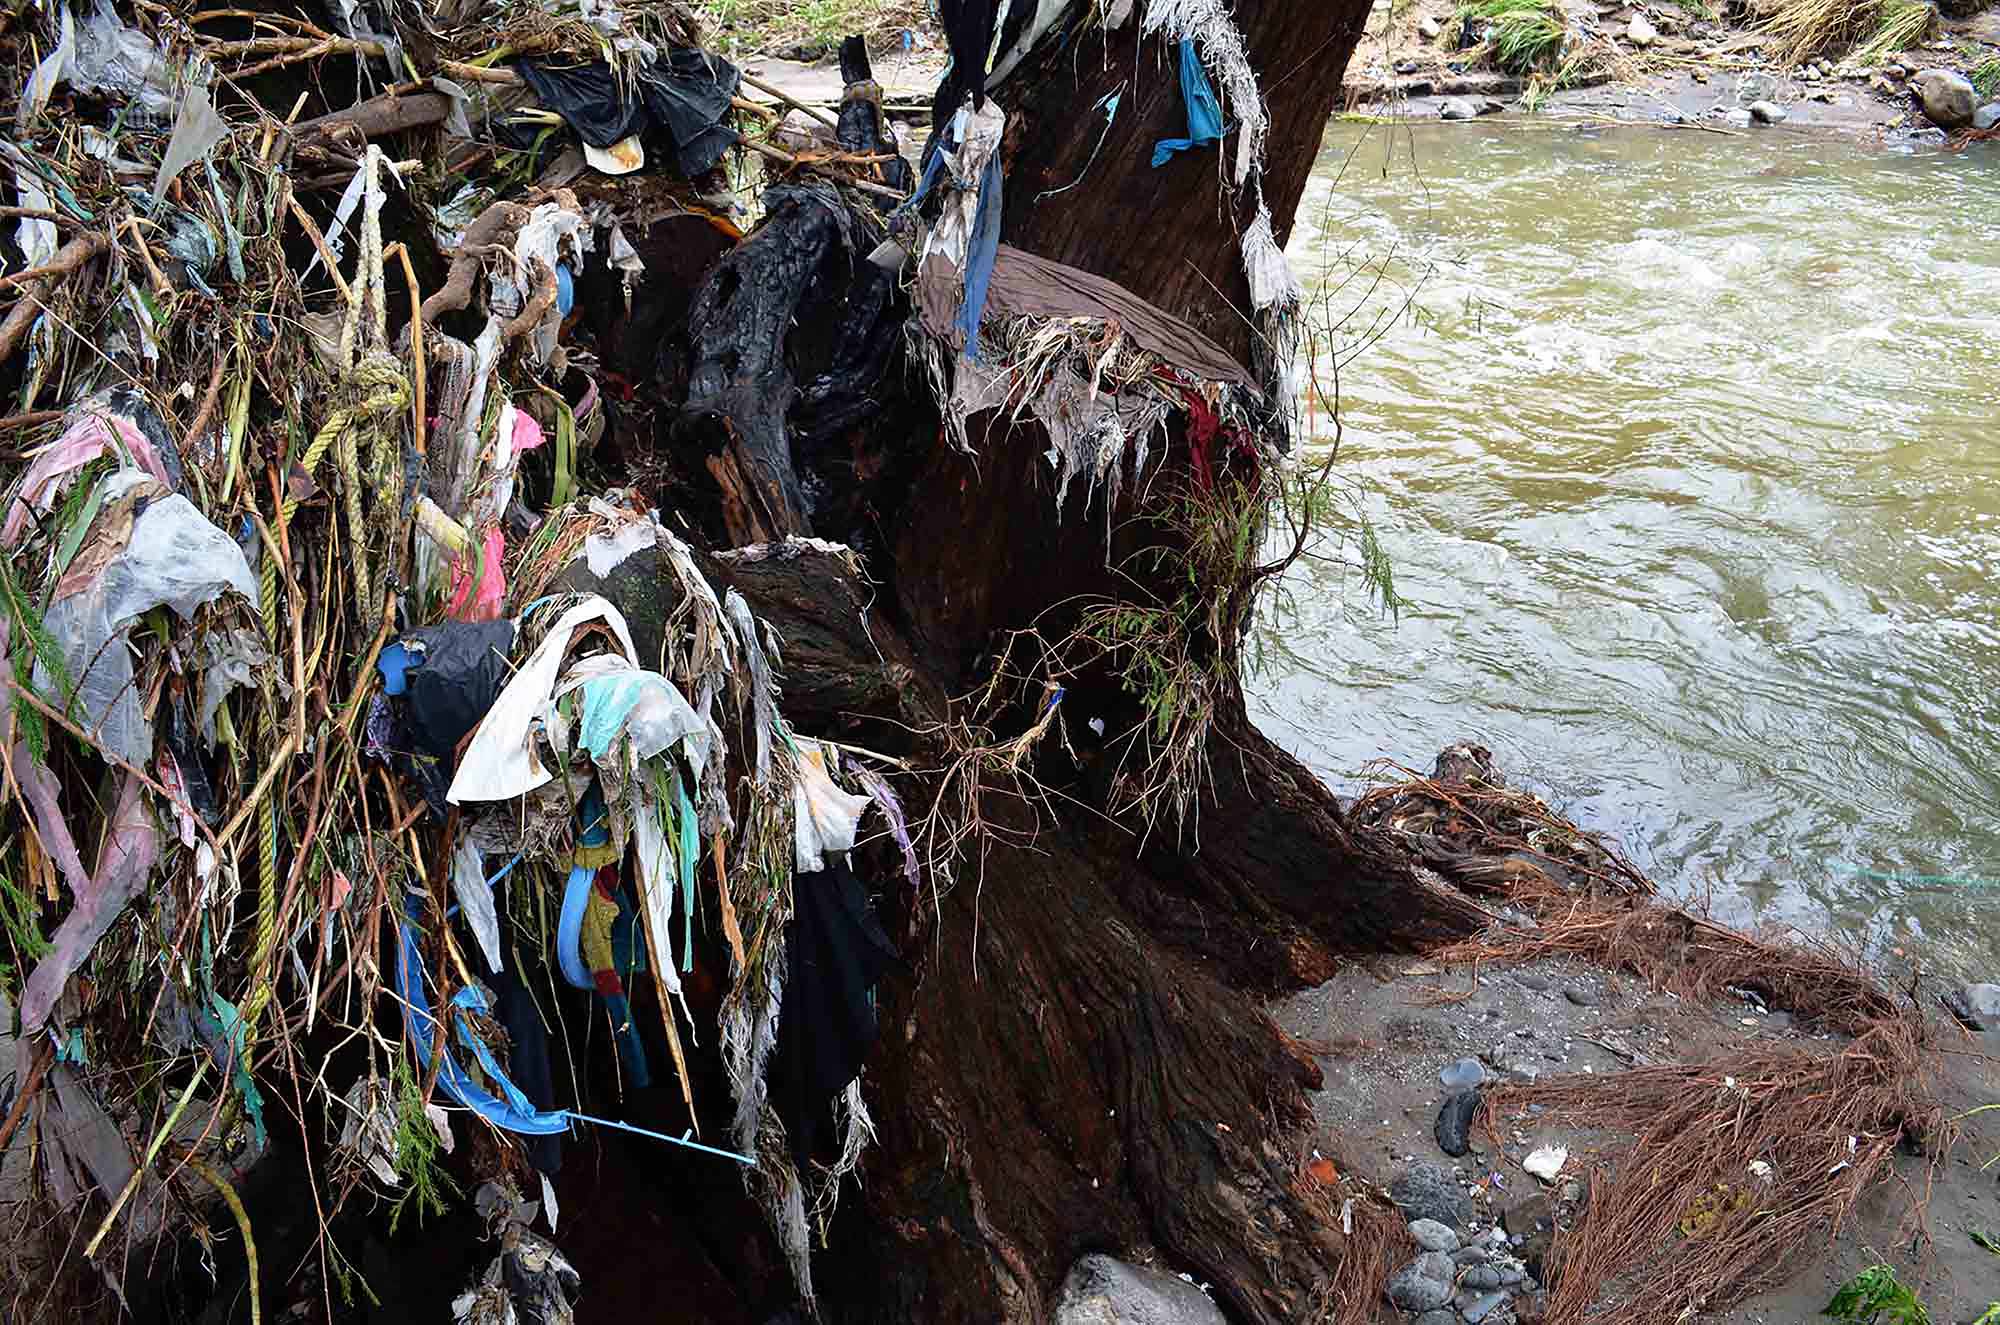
x: 1521, y: 35
x: 1986, y: 79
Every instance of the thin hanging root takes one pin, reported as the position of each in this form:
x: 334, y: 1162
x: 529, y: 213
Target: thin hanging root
x: 235, y: 1204
x: 658, y: 952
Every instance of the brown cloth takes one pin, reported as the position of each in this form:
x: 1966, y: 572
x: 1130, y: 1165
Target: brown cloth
x: 1025, y: 285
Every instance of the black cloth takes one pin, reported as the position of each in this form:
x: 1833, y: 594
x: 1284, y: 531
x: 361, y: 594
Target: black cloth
x: 455, y: 673
x: 836, y: 951
x: 686, y: 94
x: 527, y: 1059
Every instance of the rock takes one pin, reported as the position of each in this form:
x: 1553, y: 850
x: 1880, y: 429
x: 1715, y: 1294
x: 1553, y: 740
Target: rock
x: 1102, y: 1290
x: 1738, y: 118
x: 1949, y: 101
x: 1481, y: 1278
x: 1454, y: 1123
x: 1577, y: 994
x: 1534, y: 980
x: 1465, y: 1256
x: 1572, y: 1192
x: 1430, y: 29
x: 1767, y: 112
x: 1987, y: 116
x: 1546, y: 1162
x: 1433, y: 1236
x: 1442, y: 1316
x: 1532, y: 1220
x: 1756, y: 87
x: 1511, y: 1275
x: 1483, y: 1308
x: 1641, y: 32
x: 1978, y: 1006
x: 1465, y: 1074
x: 1422, y: 1285
x: 1457, y: 108
x: 1425, y: 1191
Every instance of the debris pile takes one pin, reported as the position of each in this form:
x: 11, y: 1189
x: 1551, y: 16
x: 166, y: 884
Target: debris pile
x: 318, y: 776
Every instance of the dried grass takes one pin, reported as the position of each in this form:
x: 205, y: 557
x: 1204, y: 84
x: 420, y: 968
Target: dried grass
x: 1680, y: 1212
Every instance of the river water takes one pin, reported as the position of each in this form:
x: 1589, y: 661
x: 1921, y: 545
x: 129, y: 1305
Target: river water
x: 1685, y: 451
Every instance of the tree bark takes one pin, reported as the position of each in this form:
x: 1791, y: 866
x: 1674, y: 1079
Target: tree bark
x: 1079, y: 1060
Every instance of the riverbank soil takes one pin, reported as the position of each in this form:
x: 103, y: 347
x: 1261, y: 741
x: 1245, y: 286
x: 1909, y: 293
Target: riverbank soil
x: 1665, y: 63
x: 1383, y: 1031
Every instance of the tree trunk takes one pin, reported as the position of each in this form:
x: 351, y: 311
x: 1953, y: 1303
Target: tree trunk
x: 1078, y: 1060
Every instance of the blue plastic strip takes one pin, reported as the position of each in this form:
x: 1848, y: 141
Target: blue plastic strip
x: 420, y: 1026
x: 569, y: 929
x: 1203, y: 111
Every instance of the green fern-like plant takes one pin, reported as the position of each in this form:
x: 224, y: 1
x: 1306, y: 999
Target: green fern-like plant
x: 1877, y: 1296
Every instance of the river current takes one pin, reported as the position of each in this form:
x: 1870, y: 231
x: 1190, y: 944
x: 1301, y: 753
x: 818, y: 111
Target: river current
x: 1685, y: 453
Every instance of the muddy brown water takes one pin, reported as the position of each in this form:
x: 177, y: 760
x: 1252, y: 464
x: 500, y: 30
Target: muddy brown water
x: 1685, y: 451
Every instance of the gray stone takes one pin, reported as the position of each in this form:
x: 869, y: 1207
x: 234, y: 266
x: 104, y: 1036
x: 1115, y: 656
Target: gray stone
x: 1454, y: 1123
x: 1767, y: 112
x: 1458, y: 108
x: 1442, y: 1316
x: 1949, y: 100
x: 1419, y: 1286
x: 1430, y: 29
x: 1102, y: 1290
x: 1512, y: 1275
x: 1481, y: 1278
x: 1756, y: 87
x: 1433, y: 1236
x: 1738, y: 118
x: 1483, y: 1308
x: 1577, y: 994
x: 1978, y: 1006
x: 1462, y: 1075
x: 1471, y: 1256
x: 1641, y: 32
x: 1425, y: 1191
x: 1987, y: 116
x: 1534, y: 980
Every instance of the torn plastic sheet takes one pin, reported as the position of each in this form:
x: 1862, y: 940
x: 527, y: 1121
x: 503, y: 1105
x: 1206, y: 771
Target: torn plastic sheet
x: 604, y: 553
x: 44, y: 795
x: 114, y: 59
x: 42, y: 82
x: 658, y: 879
x: 113, y: 423
x: 686, y: 92
x: 825, y: 818
x: 197, y: 128
x: 763, y: 694
x: 958, y: 253
x: 36, y: 238
x: 480, y: 593
x: 641, y: 705
x: 500, y: 763
x: 174, y: 557
x: 552, y: 235
x: 475, y: 898
x: 232, y: 657
x: 448, y: 676
x: 877, y: 786
x: 1089, y: 430
x: 131, y: 844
